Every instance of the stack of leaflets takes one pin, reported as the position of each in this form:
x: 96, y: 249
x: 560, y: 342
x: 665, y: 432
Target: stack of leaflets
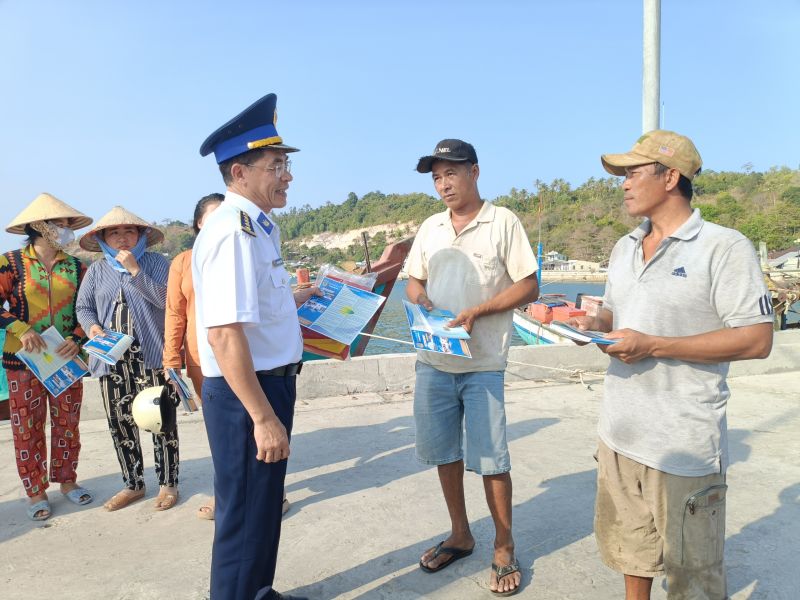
x: 184, y: 393
x: 579, y: 335
x: 55, y: 372
x: 429, y: 331
x: 109, y: 346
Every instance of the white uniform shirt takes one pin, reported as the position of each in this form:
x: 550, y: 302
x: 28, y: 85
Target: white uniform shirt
x: 239, y: 277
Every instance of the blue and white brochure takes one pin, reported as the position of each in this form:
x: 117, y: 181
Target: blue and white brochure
x: 580, y: 335
x: 184, y: 393
x: 55, y: 372
x: 109, y: 346
x: 341, y: 313
x: 429, y: 331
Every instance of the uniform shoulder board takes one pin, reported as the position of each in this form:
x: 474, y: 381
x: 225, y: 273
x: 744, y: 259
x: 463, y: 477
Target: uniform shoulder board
x: 246, y: 223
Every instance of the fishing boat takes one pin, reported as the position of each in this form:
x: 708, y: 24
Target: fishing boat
x: 316, y: 346
x: 533, y: 332
x: 531, y: 321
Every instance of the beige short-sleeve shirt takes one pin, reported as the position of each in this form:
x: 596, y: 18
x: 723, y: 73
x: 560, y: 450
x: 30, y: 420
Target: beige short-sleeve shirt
x: 487, y: 257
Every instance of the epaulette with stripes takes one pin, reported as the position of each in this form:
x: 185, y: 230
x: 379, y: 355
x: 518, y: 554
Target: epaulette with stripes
x: 246, y: 223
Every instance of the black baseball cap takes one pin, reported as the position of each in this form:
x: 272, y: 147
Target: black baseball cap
x: 454, y: 150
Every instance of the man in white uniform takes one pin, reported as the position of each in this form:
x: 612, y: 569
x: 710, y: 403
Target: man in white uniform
x: 250, y: 351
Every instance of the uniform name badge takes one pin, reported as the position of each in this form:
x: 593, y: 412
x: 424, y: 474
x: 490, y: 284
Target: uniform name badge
x: 277, y: 262
x: 265, y: 223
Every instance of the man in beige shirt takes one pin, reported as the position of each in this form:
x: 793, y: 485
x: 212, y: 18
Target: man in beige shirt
x: 475, y: 260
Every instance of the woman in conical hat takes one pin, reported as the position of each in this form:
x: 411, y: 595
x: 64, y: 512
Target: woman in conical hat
x: 126, y: 292
x: 40, y: 283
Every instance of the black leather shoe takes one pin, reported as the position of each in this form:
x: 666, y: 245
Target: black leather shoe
x: 273, y: 595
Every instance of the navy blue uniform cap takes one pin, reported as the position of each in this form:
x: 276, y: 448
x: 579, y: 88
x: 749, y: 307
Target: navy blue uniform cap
x: 252, y: 128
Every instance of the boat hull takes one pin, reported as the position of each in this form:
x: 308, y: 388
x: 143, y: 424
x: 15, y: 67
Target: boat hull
x: 533, y: 332
x: 316, y: 346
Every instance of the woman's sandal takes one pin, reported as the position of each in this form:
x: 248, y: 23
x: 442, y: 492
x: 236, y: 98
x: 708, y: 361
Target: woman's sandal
x: 206, y: 511
x: 165, y: 500
x: 39, y: 511
x: 123, y: 499
x: 80, y: 496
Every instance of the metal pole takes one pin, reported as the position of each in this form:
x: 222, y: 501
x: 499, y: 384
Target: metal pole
x: 651, y: 65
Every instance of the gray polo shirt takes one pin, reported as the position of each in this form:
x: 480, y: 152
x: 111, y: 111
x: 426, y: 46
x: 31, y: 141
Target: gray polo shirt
x: 664, y: 413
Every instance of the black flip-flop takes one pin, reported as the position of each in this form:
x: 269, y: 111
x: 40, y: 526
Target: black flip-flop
x: 505, y: 571
x: 454, y: 553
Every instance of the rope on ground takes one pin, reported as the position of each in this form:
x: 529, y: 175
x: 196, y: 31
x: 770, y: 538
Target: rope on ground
x: 579, y: 373
x: 574, y: 372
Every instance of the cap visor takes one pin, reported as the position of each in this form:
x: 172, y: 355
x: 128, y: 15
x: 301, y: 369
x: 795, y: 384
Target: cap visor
x: 283, y: 147
x: 617, y: 163
x: 425, y: 164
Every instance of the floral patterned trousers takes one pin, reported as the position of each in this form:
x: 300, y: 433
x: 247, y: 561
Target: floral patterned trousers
x: 28, y: 401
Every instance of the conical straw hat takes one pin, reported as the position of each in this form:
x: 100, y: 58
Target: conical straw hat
x: 115, y: 217
x: 46, y: 207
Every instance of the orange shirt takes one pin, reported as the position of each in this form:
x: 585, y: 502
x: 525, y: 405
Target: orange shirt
x: 179, y: 323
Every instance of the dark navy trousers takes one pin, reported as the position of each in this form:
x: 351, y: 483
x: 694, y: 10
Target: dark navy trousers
x: 249, y: 493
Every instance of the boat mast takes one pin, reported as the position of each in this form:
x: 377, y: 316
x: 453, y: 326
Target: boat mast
x: 539, y: 247
x: 651, y: 65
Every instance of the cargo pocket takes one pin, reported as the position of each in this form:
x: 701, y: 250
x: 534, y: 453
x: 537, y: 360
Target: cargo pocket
x: 703, y: 527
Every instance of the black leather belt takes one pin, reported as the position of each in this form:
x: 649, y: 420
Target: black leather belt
x: 284, y: 371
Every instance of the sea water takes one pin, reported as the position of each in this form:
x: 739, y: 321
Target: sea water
x: 393, y: 323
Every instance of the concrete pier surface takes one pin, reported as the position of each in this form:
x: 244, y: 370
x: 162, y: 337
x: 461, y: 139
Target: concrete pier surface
x: 363, y: 510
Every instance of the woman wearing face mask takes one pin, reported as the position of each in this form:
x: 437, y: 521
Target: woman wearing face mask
x: 40, y: 284
x: 180, y: 335
x: 126, y: 292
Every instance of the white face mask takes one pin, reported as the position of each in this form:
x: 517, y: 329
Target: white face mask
x: 65, y: 235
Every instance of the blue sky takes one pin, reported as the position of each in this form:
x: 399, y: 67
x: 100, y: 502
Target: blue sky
x: 105, y: 103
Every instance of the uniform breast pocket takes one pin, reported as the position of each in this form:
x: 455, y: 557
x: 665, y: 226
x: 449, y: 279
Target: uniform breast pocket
x: 483, y: 269
x: 280, y: 293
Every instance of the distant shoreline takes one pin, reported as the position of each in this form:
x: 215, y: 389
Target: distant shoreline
x: 592, y: 276
x: 555, y: 276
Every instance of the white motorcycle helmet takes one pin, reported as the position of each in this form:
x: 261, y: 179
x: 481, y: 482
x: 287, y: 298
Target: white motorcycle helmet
x: 154, y: 410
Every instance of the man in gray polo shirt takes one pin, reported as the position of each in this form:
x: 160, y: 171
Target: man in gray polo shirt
x: 684, y: 297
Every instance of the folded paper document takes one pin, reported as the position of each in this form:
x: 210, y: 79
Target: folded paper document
x: 109, y: 346
x: 429, y: 331
x: 579, y: 335
x: 54, y: 371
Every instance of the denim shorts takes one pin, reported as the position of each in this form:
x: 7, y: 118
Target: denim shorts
x: 445, y: 404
